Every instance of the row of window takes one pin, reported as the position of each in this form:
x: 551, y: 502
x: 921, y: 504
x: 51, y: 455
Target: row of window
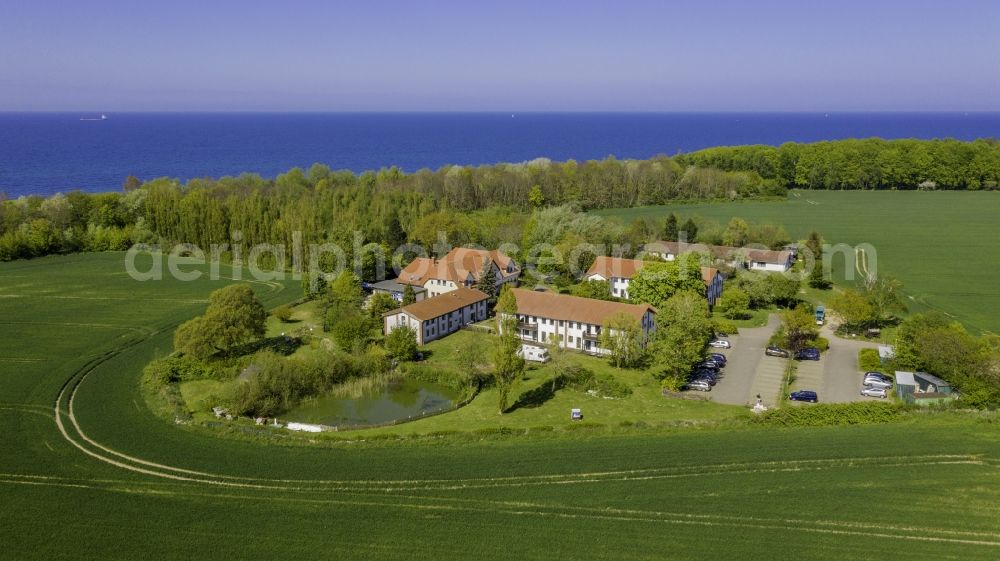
x: 571, y: 324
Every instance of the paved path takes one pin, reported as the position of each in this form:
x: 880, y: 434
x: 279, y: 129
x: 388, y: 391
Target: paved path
x: 836, y: 377
x: 742, y: 380
x: 843, y: 374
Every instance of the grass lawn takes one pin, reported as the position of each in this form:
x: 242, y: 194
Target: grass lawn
x: 645, y: 405
x: 942, y: 245
x: 88, y: 472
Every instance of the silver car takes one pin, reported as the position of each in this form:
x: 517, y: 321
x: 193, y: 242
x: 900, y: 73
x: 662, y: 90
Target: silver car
x: 874, y: 392
x: 720, y: 344
x: 877, y: 383
x: 700, y: 385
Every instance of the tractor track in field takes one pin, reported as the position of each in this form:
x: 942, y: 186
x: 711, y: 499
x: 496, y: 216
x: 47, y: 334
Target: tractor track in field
x: 124, y: 461
x: 175, y: 480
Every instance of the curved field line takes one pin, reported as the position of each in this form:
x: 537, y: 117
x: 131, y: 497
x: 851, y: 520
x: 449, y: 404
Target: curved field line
x: 31, y: 410
x: 615, y: 515
x: 469, y: 483
x: 861, y: 262
x: 526, y: 480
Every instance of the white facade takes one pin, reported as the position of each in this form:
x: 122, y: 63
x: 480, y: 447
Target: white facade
x: 437, y: 287
x: 618, y: 285
x: 436, y: 327
x: 768, y: 267
x: 575, y: 335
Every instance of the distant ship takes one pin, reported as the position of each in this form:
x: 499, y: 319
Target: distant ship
x: 103, y: 117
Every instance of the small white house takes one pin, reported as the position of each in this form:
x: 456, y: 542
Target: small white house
x: 439, y: 316
x: 742, y: 257
x: 767, y: 260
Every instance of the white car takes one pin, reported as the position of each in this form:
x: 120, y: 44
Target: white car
x: 874, y: 392
x: 720, y: 344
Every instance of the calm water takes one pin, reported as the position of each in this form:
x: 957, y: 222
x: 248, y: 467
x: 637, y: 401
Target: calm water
x: 399, y: 400
x: 45, y: 153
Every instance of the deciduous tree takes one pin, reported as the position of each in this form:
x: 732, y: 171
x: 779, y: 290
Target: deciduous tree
x: 621, y: 336
x: 508, y: 365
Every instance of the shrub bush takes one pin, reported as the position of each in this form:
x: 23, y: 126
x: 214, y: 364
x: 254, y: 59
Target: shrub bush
x: 283, y: 313
x: 178, y: 369
x: 869, y: 360
x: 725, y: 326
x: 584, y: 380
x: 821, y: 343
x: 859, y: 413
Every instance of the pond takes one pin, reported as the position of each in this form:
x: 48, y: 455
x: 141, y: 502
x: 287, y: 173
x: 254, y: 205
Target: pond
x: 400, y: 399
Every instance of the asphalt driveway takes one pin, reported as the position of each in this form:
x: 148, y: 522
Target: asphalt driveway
x: 748, y: 372
x: 836, y: 377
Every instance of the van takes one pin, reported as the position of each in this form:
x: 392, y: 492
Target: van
x: 532, y: 353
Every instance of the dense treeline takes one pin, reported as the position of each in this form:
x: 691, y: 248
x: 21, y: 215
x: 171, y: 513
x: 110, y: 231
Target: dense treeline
x: 483, y: 204
x: 870, y: 163
x: 329, y: 206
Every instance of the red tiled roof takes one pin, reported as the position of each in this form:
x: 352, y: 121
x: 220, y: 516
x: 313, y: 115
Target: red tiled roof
x: 457, y: 266
x: 708, y: 273
x: 574, y: 308
x: 442, y: 304
x: 614, y: 267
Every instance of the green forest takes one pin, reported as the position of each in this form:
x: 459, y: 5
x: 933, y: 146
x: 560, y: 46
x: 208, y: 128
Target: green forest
x: 484, y: 204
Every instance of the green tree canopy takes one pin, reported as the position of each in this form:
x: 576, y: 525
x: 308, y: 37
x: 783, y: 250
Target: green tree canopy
x: 656, y: 282
x: 234, y: 316
x: 621, y: 336
x: 409, y: 295
x: 735, y: 304
x: 853, y: 308
x: 670, y: 228
x: 683, y: 328
x: 508, y: 364
x: 596, y: 289
x: 401, y: 343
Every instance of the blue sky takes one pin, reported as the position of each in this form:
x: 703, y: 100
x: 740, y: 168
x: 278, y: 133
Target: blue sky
x: 225, y: 55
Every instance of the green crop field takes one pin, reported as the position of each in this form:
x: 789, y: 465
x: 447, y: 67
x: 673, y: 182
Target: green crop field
x: 88, y: 472
x: 942, y: 245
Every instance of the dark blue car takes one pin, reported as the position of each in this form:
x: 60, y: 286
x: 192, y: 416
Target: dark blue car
x: 810, y: 353
x: 804, y: 395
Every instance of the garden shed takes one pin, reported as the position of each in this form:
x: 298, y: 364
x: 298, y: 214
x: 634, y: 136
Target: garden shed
x: 922, y: 388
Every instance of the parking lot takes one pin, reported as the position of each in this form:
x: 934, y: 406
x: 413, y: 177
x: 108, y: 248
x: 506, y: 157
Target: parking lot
x: 749, y: 373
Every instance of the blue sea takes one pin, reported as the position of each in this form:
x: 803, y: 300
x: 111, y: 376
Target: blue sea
x: 42, y: 153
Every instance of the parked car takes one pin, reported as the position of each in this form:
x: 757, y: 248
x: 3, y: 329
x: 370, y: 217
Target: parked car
x: 875, y: 392
x: 720, y: 344
x: 710, y: 363
x: 718, y: 357
x: 700, y: 385
x: 877, y: 376
x: 809, y: 353
x: 804, y: 395
x: 877, y: 383
x: 776, y: 351
x: 709, y: 377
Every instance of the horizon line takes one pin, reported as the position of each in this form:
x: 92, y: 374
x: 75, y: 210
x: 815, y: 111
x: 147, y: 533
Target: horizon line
x: 503, y: 112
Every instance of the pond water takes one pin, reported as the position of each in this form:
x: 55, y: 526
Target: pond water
x: 400, y: 399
